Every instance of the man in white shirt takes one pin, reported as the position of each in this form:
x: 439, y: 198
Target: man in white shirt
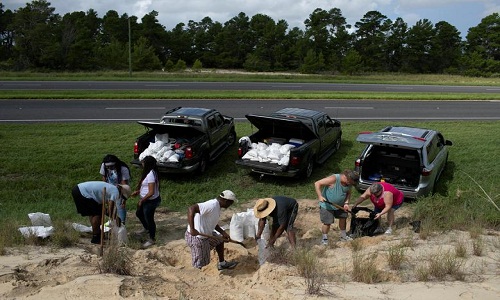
x: 203, y: 218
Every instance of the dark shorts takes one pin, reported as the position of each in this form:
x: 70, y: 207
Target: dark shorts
x: 395, y: 207
x: 328, y: 216
x: 292, y: 218
x: 85, y: 206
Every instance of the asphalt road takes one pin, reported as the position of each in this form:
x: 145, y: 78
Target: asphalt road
x: 32, y: 111
x: 237, y: 86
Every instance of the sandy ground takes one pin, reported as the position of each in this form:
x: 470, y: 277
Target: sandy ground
x: 164, y: 271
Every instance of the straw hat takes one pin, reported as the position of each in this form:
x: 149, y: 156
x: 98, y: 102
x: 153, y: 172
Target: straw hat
x: 264, y: 207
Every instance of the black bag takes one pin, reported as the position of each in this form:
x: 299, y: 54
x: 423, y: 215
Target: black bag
x: 362, y: 226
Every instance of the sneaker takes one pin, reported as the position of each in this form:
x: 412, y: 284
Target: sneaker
x: 148, y: 244
x: 379, y: 230
x: 345, y: 238
x: 142, y: 231
x: 388, y: 231
x: 226, y: 265
x: 324, y: 242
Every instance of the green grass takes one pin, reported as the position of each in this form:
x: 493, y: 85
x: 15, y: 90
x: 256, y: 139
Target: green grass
x: 291, y: 95
x: 40, y: 164
x: 208, y: 75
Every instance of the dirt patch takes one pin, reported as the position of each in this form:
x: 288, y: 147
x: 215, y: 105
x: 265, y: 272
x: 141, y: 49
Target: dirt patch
x: 165, y: 272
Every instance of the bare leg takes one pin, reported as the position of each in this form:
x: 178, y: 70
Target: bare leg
x: 291, y: 237
x: 325, y: 228
x: 342, y: 224
x: 220, y: 251
x: 390, y: 217
x: 95, y: 222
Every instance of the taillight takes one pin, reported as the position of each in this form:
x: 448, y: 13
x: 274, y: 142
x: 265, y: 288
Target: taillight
x: 294, y: 161
x: 426, y: 172
x: 136, y: 148
x: 357, y: 163
x: 188, y: 153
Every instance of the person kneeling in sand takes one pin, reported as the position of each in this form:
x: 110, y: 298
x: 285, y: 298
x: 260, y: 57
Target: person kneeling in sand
x: 203, y: 219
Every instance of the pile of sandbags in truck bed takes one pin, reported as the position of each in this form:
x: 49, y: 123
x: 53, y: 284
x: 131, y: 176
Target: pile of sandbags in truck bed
x: 163, y: 149
x: 274, y: 153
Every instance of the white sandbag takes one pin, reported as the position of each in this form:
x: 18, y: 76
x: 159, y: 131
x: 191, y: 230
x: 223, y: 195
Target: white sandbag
x: 81, y: 228
x: 161, y: 137
x: 156, y: 146
x: 261, y: 146
x: 284, y: 149
x: 236, y: 227
x: 263, y: 251
x: 275, y: 154
x: 38, y: 231
x: 146, y: 152
x: 284, y: 160
x: 249, y: 224
x: 40, y: 219
x: 173, y: 158
x: 119, y: 233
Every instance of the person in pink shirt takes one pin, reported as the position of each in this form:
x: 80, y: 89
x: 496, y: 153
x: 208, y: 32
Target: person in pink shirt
x: 385, y: 198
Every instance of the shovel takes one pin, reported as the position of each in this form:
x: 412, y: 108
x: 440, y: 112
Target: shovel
x: 224, y: 240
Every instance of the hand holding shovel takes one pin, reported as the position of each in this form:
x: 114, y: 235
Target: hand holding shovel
x: 224, y: 239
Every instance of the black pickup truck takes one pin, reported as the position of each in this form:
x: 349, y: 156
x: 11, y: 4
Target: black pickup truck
x: 289, y: 142
x: 185, y: 139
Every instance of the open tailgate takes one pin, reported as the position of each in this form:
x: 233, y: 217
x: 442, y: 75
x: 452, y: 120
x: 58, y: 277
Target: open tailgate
x: 278, y: 124
x: 173, y: 129
x: 391, y: 139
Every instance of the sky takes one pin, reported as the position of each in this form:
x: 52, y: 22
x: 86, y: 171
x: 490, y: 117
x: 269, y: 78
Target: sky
x: 463, y: 14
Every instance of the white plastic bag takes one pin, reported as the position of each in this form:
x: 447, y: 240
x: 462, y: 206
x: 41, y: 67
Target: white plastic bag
x: 40, y: 219
x: 263, y: 251
x: 39, y: 231
x: 236, y: 227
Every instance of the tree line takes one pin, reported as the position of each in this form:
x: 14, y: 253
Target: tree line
x: 33, y: 37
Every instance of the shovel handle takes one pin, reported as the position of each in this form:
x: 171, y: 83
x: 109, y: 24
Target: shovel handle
x: 335, y: 205
x: 221, y: 238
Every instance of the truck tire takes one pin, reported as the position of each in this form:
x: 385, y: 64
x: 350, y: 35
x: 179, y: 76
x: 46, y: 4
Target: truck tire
x: 231, y: 138
x: 309, y: 167
x: 203, y: 164
x: 337, y: 144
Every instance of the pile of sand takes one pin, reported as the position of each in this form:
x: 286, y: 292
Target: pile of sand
x: 164, y: 271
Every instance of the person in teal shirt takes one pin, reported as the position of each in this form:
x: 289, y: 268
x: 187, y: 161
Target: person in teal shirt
x: 334, y: 193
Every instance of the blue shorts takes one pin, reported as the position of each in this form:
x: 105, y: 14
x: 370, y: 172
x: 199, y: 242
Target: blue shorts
x: 395, y: 207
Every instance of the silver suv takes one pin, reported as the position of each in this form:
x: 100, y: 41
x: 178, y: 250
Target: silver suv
x: 411, y: 159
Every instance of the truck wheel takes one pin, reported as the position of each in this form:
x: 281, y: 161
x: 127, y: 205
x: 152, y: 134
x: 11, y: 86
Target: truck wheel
x: 309, y: 168
x: 231, y: 139
x: 203, y: 164
x: 337, y: 144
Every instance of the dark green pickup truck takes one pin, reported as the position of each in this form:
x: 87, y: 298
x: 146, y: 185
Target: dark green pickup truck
x: 289, y: 142
x: 185, y: 139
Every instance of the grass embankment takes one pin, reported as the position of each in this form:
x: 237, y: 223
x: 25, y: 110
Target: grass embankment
x: 217, y: 76
x: 40, y: 164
